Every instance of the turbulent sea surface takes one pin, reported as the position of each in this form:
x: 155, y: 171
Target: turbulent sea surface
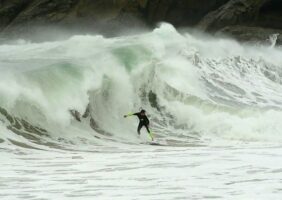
x: 215, y: 107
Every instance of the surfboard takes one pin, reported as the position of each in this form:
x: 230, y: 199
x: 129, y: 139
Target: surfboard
x: 156, y: 144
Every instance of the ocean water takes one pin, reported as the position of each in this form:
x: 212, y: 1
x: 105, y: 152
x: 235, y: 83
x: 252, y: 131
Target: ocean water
x: 215, y: 107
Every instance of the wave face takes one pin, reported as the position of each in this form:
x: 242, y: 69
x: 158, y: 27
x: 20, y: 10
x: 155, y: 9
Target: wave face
x: 194, y: 89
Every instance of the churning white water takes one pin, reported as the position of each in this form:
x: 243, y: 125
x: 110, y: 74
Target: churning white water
x: 215, y: 107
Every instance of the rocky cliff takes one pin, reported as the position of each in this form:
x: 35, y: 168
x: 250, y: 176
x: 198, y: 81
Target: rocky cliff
x: 235, y: 17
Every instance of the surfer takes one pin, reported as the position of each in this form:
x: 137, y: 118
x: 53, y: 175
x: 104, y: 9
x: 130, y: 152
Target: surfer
x: 143, y: 121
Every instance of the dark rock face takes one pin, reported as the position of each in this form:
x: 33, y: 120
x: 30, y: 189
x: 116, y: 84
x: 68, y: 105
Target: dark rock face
x: 225, y: 16
x: 246, y: 20
x: 22, y: 15
x: 270, y: 15
x: 45, y: 11
x: 30, y: 15
x: 233, y: 13
x: 180, y: 12
x: 9, y: 10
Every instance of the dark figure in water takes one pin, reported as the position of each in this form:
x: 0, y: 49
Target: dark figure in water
x: 143, y: 121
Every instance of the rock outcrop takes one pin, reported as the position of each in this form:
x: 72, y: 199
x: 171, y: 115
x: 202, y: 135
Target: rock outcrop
x: 270, y: 15
x: 233, y: 13
x: 246, y: 20
x: 24, y: 16
x: 18, y: 16
x: 180, y: 12
x: 9, y: 10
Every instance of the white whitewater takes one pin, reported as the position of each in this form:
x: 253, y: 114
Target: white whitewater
x: 215, y: 104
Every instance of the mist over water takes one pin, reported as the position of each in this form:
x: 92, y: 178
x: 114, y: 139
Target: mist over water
x: 201, y: 93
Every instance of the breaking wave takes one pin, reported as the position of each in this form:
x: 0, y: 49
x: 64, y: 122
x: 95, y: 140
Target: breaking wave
x: 195, y: 89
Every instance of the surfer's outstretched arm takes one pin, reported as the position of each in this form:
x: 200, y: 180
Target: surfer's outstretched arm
x: 129, y: 114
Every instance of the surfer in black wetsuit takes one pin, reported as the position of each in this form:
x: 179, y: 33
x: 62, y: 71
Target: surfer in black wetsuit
x: 143, y: 121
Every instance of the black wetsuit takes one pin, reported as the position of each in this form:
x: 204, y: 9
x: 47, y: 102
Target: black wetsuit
x: 143, y: 121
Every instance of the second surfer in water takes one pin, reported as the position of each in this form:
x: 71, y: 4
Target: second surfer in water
x: 143, y: 121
